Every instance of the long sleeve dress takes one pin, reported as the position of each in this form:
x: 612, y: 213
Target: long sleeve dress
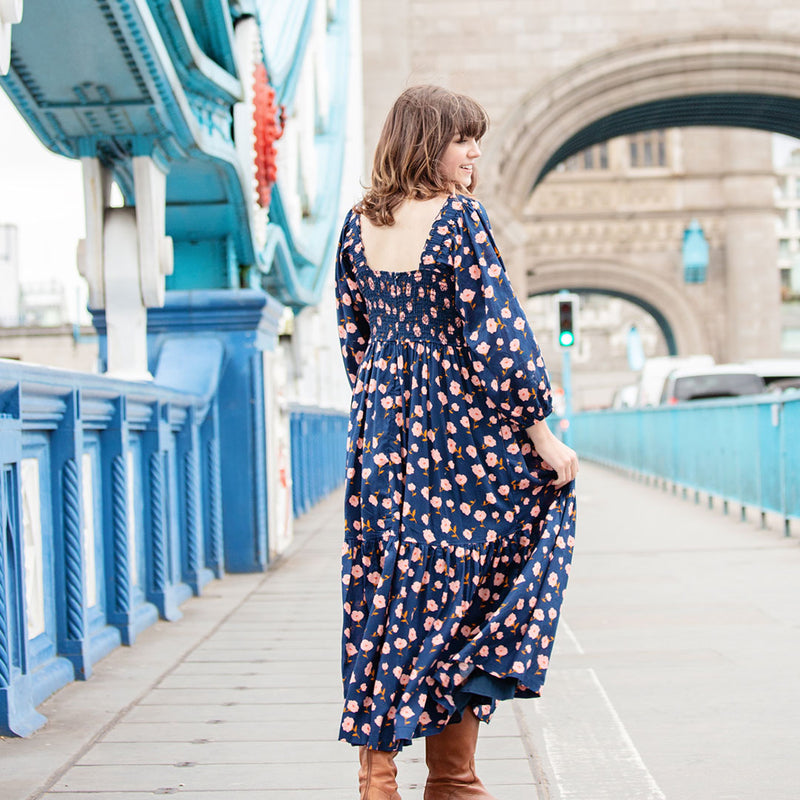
x: 457, y: 548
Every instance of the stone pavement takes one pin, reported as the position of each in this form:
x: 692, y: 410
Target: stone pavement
x: 675, y: 675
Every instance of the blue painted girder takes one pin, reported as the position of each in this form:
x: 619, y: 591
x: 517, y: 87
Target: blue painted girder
x: 117, y: 78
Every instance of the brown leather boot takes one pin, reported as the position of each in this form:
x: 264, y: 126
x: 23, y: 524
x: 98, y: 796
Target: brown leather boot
x: 377, y: 777
x: 450, y: 756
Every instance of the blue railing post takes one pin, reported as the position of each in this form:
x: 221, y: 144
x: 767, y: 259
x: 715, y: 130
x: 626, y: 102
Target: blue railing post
x: 65, y: 463
x: 18, y: 715
x: 117, y: 522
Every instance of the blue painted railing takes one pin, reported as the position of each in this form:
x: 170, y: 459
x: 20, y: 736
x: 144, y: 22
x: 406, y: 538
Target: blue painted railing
x: 111, y: 515
x: 745, y: 451
x: 318, y: 439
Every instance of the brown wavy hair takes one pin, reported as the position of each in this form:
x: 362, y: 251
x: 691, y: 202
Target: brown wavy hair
x: 421, y: 124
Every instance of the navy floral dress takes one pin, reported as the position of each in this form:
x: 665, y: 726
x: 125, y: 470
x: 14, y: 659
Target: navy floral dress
x: 457, y: 547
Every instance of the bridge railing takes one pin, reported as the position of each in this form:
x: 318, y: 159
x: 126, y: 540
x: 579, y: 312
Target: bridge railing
x: 744, y: 450
x: 318, y: 454
x: 111, y: 515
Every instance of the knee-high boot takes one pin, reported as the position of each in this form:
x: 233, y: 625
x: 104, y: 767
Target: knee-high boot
x: 377, y: 776
x: 450, y: 756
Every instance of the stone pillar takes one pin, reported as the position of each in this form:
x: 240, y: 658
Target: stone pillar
x: 751, y: 254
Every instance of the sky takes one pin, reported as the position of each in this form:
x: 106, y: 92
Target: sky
x: 42, y: 194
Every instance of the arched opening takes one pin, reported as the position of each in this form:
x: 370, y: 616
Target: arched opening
x: 731, y: 81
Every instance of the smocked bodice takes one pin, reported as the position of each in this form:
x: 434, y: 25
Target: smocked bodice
x: 414, y: 305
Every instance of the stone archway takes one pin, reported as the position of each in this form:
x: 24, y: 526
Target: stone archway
x: 707, y: 79
x: 719, y: 79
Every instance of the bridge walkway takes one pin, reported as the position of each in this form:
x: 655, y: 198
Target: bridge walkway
x: 675, y: 676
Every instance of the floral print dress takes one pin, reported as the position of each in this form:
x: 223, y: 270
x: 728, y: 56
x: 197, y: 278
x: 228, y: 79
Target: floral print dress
x: 457, y: 547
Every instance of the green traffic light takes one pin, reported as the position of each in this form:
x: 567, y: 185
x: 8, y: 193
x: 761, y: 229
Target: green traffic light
x: 566, y: 338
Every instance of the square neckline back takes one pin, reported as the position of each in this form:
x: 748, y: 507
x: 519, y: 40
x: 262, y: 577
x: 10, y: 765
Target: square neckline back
x: 362, y: 254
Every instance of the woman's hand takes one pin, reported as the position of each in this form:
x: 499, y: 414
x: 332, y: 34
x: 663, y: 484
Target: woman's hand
x: 562, y: 459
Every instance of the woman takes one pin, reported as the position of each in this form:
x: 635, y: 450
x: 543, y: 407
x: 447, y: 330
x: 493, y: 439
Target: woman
x: 459, y: 505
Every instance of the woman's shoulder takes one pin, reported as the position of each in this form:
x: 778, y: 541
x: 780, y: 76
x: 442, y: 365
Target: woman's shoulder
x: 468, y: 207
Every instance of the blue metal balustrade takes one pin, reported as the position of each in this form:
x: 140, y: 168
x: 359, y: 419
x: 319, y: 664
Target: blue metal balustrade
x: 111, y: 512
x: 744, y: 450
x: 318, y: 454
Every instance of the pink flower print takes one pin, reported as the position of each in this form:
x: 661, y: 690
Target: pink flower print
x: 428, y: 259
x: 455, y: 387
x: 542, y: 660
x: 425, y: 718
x: 483, y: 348
x: 445, y: 525
x: 474, y: 272
x: 437, y: 457
x: 465, y: 508
x: 491, y: 459
x: 491, y: 325
x: 428, y: 536
x: 484, y: 651
x: 400, y: 643
x: 538, y: 614
x: 507, y: 363
x: 351, y: 650
x: 501, y: 650
x: 475, y: 413
x: 494, y: 270
x: 357, y: 616
x: 423, y: 463
x: 406, y: 712
x: 552, y: 613
x: 472, y: 450
x: 347, y: 724
x: 479, y: 471
x: 504, y: 489
x: 436, y: 502
x: 518, y: 667
x: 467, y: 295
x: 488, y: 291
x: 513, y: 345
x: 506, y: 432
x: 440, y: 567
x: 480, y: 515
x: 395, y: 458
x: 380, y: 459
x: 356, y: 571
x: 552, y: 579
x: 461, y: 479
x: 489, y: 441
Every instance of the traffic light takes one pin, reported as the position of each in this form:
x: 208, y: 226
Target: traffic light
x: 566, y: 320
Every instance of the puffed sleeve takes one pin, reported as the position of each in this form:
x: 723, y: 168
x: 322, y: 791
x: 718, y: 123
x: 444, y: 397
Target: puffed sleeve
x: 350, y: 307
x: 505, y: 357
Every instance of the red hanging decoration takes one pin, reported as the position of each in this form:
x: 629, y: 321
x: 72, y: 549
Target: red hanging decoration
x: 269, y: 123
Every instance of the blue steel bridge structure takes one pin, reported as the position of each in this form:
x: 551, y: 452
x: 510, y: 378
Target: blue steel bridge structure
x: 123, y: 494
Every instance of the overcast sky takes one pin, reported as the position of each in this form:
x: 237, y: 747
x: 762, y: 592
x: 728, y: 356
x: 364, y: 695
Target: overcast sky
x: 40, y: 193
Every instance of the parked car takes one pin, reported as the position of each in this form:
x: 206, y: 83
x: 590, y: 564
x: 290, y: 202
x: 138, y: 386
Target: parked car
x: 723, y: 380
x: 776, y: 370
x: 655, y: 371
